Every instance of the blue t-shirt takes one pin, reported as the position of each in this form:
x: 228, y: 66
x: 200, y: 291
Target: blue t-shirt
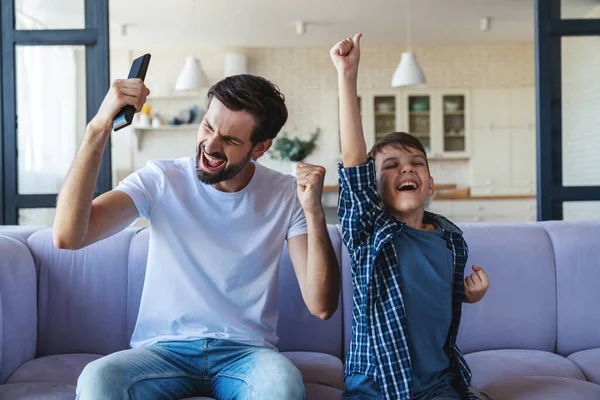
x: 425, y: 269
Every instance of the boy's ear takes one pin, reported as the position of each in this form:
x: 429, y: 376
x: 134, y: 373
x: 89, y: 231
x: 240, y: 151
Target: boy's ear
x: 431, y: 189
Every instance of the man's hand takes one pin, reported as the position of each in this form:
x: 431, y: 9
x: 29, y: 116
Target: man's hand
x: 123, y: 92
x: 346, y: 55
x: 476, y: 285
x: 310, y: 180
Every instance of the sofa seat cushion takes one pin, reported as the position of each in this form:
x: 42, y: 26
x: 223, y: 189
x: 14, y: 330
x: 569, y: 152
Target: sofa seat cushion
x: 61, y: 368
x: 541, y: 388
x: 316, y: 391
x: 319, y: 368
x: 500, y: 365
x: 589, y: 362
x: 37, y: 391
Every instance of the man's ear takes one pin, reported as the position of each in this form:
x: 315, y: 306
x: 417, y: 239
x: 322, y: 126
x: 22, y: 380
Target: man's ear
x: 261, y: 148
x: 431, y: 189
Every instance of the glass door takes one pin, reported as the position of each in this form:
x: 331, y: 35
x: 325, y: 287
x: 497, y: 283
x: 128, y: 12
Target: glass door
x: 54, y: 77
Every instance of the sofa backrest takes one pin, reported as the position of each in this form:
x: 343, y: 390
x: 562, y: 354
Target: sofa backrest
x: 89, y: 299
x: 83, y: 295
x: 577, y: 254
x: 519, y: 309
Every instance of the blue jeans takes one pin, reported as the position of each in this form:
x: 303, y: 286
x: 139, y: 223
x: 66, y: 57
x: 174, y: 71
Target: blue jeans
x: 206, y: 367
x: 361, y: 387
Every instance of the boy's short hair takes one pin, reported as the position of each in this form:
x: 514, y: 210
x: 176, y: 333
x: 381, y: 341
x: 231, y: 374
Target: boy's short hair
x: 400, y: 140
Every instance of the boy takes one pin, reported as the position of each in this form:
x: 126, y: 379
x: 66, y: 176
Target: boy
x: 406, y: 309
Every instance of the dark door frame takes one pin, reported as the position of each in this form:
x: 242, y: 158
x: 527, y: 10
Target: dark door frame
x: 550, y: 28
x: 95, y: 39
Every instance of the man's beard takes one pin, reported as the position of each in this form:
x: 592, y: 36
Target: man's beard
x: 226, y: 173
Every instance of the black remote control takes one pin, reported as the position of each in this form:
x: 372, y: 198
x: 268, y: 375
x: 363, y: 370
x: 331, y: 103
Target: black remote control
x: 138, y: 70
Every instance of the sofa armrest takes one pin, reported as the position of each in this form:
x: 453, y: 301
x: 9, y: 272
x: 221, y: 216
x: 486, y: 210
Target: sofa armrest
x: 18, y: 309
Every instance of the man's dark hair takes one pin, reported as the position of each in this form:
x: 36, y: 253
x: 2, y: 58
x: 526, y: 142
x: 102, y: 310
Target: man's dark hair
x: 258, y: 97
x: 401, y: 140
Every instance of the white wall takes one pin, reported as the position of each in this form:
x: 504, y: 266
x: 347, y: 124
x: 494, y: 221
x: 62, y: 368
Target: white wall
x: 307, y: 78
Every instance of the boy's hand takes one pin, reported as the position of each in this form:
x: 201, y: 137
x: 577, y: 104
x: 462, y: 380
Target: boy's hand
x: 476, y: 285
x: 346, y: 55
x: 310, y: 180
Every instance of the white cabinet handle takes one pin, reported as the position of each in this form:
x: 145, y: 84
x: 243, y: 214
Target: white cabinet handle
x: 490, y: 190
x: 480, y: 208
x: 488, y: 182
x: 479, y: 219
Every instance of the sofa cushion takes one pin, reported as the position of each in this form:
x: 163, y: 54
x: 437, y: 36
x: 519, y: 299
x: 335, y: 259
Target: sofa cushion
x: 62, y: 368
x: 500, y: 365
x: 589, y: 363
x: 37, y: 391
x: 316, y: 391
x: 577, y: 280
x: 541, y: 388
x: 82, y: 295
x: 519, y: 309
x: 18, y: 309
x: 318, y: 368
x: 297, y: 328
x: 19, y: 232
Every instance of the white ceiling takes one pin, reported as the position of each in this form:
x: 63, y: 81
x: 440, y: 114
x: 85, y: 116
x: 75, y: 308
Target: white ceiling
x: 241, y: 23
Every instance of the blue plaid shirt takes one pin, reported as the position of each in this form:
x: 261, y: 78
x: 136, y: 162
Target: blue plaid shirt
x: 379, y: 346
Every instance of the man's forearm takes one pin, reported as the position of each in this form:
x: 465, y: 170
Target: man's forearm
x: 75, y: 198
x: 354, y: 148
x: 322, y: 271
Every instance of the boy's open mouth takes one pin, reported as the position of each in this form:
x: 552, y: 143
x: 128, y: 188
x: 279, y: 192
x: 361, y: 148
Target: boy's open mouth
x: 408, y: 186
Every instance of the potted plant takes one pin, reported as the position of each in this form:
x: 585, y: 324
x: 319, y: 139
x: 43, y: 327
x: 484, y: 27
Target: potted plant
x: 294, y: 149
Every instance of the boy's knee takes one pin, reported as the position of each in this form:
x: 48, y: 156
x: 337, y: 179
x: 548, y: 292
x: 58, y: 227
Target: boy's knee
x: 101, y: 379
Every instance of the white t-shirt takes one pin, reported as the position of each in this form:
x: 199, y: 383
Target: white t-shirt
x: 213, y: 259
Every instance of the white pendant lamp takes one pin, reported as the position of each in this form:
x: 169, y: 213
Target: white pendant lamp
x: 235, y: 64
x: 408, y: 72
x: 192, y: 76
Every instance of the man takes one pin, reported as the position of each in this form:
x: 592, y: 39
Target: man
x: 208, y: 314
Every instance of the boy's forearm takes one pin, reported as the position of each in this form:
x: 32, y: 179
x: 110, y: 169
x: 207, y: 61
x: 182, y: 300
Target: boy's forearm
x: 354, y: 148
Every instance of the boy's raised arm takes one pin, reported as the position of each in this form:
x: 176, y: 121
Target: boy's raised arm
x: 346, y: 55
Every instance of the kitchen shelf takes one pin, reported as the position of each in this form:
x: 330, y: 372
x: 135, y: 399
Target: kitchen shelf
x: 454, y: 113
x: 141, y: 131
x: 177, y: 96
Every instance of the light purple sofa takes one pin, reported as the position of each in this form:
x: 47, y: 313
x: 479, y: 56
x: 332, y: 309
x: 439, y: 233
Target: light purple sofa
x: 536, y: 335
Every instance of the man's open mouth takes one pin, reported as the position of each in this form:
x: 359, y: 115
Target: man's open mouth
x: 211, y: 164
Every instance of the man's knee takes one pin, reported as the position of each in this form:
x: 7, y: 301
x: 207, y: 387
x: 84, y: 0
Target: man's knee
x: 284, y: 382
x: 102, y: 379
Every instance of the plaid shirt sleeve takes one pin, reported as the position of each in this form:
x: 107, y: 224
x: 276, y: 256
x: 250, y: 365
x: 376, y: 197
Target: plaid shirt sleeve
x: 358, y: 208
